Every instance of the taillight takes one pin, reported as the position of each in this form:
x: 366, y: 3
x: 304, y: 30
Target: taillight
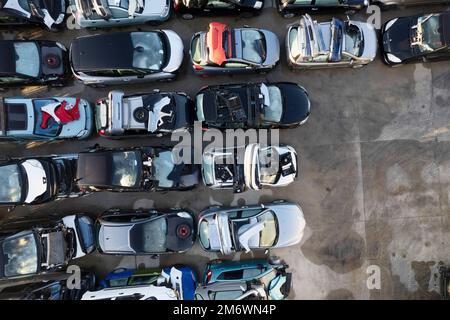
x: 101, y: 132
x: 197, y: 67
x: 176, y: 5
x: 208, y: 276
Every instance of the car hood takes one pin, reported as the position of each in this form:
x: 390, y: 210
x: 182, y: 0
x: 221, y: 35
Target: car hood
x: 272, y: 46
x: 154, y: 7
x: 397, y: 39
x: 296, y: 104
x: 82, y: 126
x: 115, y: 238
x: 291, y: 225
x: 176, y: 51
x: 37, y: 179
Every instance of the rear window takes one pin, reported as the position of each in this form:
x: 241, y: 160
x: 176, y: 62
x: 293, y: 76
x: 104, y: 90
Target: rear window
x: 16, y: 117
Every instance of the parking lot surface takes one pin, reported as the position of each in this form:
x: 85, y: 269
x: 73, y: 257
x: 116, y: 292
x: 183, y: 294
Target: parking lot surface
x: 374, y: 180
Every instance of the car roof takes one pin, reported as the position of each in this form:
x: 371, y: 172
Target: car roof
x: 94, y: 168
x: 102, y: 51
x: 7, y: 56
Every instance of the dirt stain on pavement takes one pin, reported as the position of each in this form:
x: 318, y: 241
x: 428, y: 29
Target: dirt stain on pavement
x: 340, y: 294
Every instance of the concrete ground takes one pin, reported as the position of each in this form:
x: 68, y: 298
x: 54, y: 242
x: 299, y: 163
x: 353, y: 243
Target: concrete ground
x: 374, y: 178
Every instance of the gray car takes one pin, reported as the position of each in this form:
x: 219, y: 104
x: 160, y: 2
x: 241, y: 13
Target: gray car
x: 126, y: 57
x: 274, y: 225
x: 113, y: 13
x: 223, y: 49
x: 314, y: 45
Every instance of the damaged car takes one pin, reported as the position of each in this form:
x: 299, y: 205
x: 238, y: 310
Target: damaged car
x: 188, y: 9
x: 253, y: 166
x: 45, y: 248
x: 33, y: 62
x: 115, y: 13
x: 223, y: 49
x: 140, y: 169
x: 133, y: 57
x: 253, y: 105
x: 228, y: 230
x: 139, y: 115
x: 289, y: 8
x: 47, y: 13
x: 314, y: 45
x: 145, y: 232
x: 422, y: 38
x: 45, y: 119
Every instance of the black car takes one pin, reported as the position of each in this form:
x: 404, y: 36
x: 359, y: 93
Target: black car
x: 48, y: 13
x: 253, y: 105
x: 52, y: 287
x: 44, y: 247
x: 37, y: 180
x: 289, y: 8
x: 145, y: 232
x: 155, y: 113
x: 135, y: 169
x: 419, y: 38
x: 190, y: 8
x: 33, y: 62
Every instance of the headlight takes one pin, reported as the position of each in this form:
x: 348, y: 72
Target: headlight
x: 390, y: 24
x: 393, y: 58
x: 60, y: 19
x: 258, y: 5
x: 165, y: 11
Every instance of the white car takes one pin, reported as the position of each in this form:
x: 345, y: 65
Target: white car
x: 253, y: 166
x: 112, y: 13
x: 274, y: 225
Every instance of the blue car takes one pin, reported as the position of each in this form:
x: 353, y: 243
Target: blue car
x: 182, y: 279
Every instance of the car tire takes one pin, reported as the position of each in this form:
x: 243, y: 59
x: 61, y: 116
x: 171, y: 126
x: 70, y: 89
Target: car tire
x: 187, y: 16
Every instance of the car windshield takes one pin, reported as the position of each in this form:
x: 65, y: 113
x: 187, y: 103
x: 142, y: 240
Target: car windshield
x: 204, y: 234
x: 253, y: 46
x: 27, y: 58
x: 164, y: 166
x: 268, y: 235
x: 148, y: 50
x: 354, y: 42
x: 268, y: 165
x: 20, y: 255
x: 87, y: 232
x: 429, y: 33
x: 125, y: 169
x: 273, y: 103
x: 149, y: 237
x: 10, y: 186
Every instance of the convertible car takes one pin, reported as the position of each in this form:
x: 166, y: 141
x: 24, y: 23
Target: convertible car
x: 145, y: 232
x: 45, y: 248
x: 45, y: 118
x: 48, y: 13
x: 253, y: 167
x: 223, y: 49
x: 139, y: 169
x: 253, y: 105
x: 289, y: 8
x: 156, y: 113
x: 274, y: 225
x: 188, y: 9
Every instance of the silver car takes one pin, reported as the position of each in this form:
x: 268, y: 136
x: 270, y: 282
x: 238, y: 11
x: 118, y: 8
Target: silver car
x: 274, y: 225
x: 126, y: 57
x: 314, y: 45
x: 113, y: 13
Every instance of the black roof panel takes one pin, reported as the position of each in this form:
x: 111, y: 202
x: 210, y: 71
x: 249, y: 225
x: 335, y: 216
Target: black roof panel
x: 7, y: 57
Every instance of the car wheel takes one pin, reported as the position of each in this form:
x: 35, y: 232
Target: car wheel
x: 187, y: 16
x: 288, y: 15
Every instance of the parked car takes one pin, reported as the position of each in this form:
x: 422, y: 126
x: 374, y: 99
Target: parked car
x: 420, y: 38
x: 188, y: 9
x: 49, y: 289
x: 104, y: 13
x: 48, y: 13
x: 392, y: 3
x: 170, y: 283
x: 223, y: 49
x: 289, y: 8
x: 139, y: 169
x: 36, y: 180
x: 33, y: 62
x: 233, y: 290
x: 274, y: 225
x: 253, y: 105
x: 155, y: 113
x: 313, y: 45
x: 270, y: 274
x: 46, y: 247
x: 45, y: 118
x: 133, y: 57
x: 253, y: 166
x: 145, y: 232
